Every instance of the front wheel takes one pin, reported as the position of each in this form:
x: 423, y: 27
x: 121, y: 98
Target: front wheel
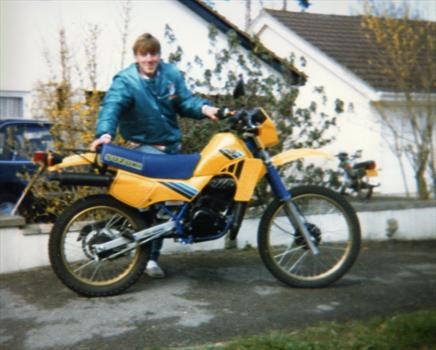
x: 334, y: 229
x: 88, y: 222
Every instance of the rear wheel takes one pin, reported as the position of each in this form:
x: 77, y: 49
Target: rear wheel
x: 333, y: 226
x: 365, y: 191
x: 89, y: 222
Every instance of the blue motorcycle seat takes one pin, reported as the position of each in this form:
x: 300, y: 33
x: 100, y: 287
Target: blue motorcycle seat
x: 165, y: 166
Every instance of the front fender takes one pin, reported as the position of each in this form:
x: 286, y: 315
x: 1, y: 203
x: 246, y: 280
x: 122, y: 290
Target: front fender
x: 294, y: 154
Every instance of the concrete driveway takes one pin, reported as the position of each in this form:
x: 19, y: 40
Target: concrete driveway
x: 209, y: 297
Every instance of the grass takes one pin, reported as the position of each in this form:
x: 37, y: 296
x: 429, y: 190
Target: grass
x: 414, y: 331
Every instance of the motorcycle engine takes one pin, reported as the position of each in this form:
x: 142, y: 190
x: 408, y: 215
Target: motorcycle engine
x: 206, y: 215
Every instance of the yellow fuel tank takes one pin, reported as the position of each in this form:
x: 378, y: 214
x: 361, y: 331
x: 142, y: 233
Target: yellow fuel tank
x: 222, y: 150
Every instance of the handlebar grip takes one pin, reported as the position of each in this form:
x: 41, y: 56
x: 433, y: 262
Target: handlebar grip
x: 223, y: 113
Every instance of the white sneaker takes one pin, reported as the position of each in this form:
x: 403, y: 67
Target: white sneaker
x: 153, y: 270
x: 229, y: 243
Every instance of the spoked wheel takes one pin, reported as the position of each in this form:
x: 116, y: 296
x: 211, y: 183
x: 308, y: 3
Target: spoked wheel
x: 89, y: 222
x: 334, y: 229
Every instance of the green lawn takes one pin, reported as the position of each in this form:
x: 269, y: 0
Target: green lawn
x: 412, y: 331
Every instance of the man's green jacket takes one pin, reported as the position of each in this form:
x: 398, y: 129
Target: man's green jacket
x: 145, y: 110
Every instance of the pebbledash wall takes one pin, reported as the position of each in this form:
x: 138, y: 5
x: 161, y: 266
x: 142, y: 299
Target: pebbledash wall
x: 25, y: 247
x: 30, y: 30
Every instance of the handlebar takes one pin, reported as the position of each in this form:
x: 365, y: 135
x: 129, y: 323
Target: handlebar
x: 243, y: 120
x: 344, y: 156
x: 224, y: 113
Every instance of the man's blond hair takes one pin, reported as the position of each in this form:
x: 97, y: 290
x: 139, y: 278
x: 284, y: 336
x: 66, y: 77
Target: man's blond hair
x: 146, y: 43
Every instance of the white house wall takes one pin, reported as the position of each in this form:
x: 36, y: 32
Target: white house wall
x: 359, y: 126
x: 30, y: 28
x: 398, y: 115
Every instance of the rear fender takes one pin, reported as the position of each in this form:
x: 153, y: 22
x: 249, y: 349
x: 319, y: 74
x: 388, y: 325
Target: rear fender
x: 294, y: 154
x: 371, y: 172
x: 75, y: 160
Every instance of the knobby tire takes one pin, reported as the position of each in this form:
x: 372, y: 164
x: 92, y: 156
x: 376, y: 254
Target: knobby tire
x: 334, y: 227
x: 70, y: 270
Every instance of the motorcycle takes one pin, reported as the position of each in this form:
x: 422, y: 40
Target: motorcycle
x: 356, y: 176
x: 308, y: 236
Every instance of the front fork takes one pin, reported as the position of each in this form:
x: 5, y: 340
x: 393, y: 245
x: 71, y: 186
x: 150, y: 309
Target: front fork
x: 291, y: 210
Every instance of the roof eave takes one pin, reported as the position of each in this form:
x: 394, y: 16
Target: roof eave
x: 369, y: 88
x: 401, y: 97
x: 319, y: 56
x: 223, y: 25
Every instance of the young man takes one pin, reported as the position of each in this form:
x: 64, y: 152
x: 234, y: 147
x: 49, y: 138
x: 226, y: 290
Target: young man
x: 144, y: 102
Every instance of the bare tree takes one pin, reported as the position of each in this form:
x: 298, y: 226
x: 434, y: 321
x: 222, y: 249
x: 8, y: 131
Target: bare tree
x: 406, y: 52
x: 126, y: 10
x: 247, y: 14
x: 91, y: 55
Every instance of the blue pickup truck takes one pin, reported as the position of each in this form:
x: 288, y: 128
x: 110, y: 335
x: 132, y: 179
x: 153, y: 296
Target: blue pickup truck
x: 19, y: 139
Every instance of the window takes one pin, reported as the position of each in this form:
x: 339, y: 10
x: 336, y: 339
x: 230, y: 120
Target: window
x: 11, y: 107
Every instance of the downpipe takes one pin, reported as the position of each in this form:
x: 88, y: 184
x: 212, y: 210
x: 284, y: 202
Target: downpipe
x: 239, y: 212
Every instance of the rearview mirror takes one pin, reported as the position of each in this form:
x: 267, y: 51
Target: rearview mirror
x: 239, y: 89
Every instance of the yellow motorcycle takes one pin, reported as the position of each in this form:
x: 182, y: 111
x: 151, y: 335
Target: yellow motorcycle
x: 308, y: 236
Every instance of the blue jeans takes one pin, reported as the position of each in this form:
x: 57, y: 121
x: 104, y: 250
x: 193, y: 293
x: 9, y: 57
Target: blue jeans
x: 171, y: 149
x: 156, y: 245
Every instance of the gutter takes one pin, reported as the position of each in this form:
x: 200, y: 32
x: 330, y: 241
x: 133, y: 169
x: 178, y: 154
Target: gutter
x: 400, y: 97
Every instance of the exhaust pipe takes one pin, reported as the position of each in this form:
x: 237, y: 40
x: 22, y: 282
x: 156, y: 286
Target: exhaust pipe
x: 81, y: 179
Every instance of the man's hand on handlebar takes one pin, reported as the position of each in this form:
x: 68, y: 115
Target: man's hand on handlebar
x: 225, y: 113
x: 210, y: 112
x: 102, y: 140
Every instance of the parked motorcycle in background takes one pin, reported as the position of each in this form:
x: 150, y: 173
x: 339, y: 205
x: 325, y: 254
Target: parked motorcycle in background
x: 357, y: 177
